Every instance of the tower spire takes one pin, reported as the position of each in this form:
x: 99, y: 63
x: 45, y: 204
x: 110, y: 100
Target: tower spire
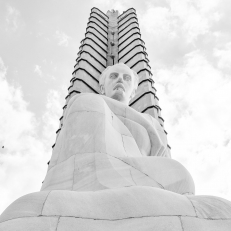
x: 112, y: 55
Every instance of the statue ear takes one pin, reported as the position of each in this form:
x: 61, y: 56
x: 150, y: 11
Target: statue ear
x: 102, y: 89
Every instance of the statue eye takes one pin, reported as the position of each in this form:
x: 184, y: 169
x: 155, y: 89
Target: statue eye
x: 113, y: 75
x: 127, y: 77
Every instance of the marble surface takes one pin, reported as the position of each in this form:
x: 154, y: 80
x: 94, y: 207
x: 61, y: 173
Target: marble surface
x: 131, y: 208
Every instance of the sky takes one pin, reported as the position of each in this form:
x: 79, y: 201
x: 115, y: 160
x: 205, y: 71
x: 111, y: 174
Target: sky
x: 189, y: 47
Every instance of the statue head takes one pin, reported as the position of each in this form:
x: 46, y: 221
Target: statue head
x: 119, y: 82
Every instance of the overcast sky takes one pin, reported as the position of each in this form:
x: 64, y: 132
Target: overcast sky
x: 189, y: 48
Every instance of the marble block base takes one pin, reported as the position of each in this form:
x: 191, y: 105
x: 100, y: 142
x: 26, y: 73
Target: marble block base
x: 131, y: 208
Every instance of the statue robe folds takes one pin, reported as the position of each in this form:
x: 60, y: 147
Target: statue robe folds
x: 110, y: 171
x: 105, y: 144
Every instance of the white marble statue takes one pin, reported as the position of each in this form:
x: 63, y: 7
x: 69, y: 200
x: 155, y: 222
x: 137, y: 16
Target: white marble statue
x: 104, y: 128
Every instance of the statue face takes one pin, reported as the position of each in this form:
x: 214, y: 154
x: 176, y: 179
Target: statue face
x: 119, y: 83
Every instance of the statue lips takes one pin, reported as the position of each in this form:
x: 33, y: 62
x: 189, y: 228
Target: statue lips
x: 119, y: 85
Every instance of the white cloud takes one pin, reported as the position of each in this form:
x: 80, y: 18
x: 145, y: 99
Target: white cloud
x: 62, y: 38
x: 224, y: 56
x: 186, y: 20
x: 52, y: 115
x: 159, y: 22
x: 176, y: 19
x: 105, y: 5
x: 12, y: 104
x: 208, y: 6
x: 18, y: 136
x: 26, y: 150
x: 37, y: 70
x: 196, y: 98
x: 12, y: 18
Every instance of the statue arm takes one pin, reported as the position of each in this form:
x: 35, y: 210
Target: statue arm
x: 158, y: 148
x: 161, y: 132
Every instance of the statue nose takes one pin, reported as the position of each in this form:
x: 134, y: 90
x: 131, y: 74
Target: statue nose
x: 120, y: 79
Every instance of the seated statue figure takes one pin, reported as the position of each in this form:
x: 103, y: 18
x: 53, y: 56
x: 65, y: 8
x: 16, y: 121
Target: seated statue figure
x: 112, y: 144
x: 110, y: 170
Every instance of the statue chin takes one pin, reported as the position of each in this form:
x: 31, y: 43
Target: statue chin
x: 119, y: 96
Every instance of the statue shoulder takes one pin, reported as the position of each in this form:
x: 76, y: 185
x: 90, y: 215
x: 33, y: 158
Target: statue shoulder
x: 86, y: 100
